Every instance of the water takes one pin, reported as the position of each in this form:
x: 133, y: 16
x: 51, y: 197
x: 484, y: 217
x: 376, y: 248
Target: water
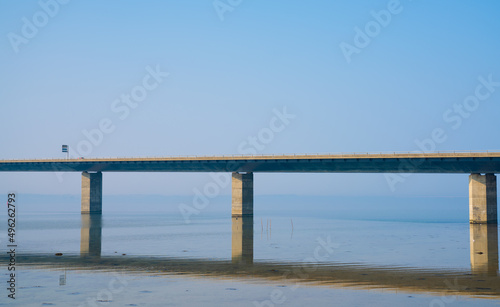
x: 155, y: 258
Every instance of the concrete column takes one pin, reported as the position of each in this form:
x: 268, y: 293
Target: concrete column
x: 484, y: 249
x: 92, y: 192
x: 483, y: 198
x: 242, y: 240
x: 90, y: 238
x: 242, y: 201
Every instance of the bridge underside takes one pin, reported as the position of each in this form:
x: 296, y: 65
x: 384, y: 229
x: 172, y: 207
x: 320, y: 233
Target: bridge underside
x: 428, y: 163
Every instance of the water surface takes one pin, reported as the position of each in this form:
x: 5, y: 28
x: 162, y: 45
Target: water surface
x: 155, y: 258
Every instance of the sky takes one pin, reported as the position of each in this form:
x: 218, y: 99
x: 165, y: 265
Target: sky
x: 161, y: 78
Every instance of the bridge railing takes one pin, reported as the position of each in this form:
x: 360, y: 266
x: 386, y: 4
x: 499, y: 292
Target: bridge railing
x: 337, y: 154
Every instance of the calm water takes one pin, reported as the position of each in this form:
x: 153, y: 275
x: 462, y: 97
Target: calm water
x: 157, y: 259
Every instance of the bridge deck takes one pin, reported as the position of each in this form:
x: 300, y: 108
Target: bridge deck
x: 399, y: 155
x: 456, y: 162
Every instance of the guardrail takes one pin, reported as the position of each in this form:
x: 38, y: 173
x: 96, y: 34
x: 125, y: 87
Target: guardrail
x: 340, y: 154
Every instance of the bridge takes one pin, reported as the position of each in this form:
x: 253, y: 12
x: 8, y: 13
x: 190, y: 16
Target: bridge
x: 482, y: 167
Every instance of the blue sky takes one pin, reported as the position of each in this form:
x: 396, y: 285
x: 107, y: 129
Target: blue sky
x: 227, y: 78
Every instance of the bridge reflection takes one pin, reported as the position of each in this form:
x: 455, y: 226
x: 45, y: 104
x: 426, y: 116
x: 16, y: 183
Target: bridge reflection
x: 483, y: 242
x: 241, y: 245
x: 242, y: 240
x: 484, y: 249
x: 91, y: 235
x: 482, y: 279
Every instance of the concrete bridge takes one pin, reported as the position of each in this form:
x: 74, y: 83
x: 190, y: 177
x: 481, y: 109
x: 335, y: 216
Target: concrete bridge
x: 482, y: 167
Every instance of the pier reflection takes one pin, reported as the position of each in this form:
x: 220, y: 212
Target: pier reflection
x: 242, y: 240
x: 484, y: 249
x: 483, y: 281
x: 91, y: 235
x: 483, y: 243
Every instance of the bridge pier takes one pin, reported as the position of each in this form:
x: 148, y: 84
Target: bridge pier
x: 242, y: 194
x: 92, y: 193
x: 483, y: 198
